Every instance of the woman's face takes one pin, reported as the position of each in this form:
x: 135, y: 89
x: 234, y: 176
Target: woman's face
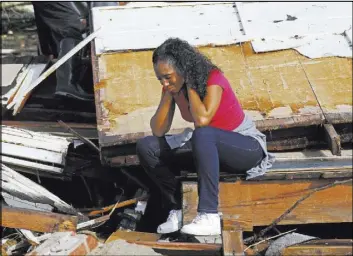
x: 168, y: 77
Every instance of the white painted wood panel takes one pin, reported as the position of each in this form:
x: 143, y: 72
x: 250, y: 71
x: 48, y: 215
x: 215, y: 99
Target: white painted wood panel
x: 311, y: 46
x: 16, y: 181
x: 20, y: 203
x: 315, y: 29
x: 39, y: 136
x: 19, y: 79
x: 33, y: 143
x: 32, y: 153
x: 31, y: 165
x: 141, y: 28
x: 9, y: 72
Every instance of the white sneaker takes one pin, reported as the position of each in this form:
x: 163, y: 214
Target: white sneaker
x: 172, y: 224
x: 205, y: 224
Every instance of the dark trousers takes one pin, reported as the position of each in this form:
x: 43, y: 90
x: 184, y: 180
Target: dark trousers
x: 210, y: 148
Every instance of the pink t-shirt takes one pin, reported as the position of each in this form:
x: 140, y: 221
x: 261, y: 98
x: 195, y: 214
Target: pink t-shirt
x: 229, y: 114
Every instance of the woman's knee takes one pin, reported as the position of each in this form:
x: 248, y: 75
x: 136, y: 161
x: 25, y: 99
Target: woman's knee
x: 202, y: 135
x: 145, y: 145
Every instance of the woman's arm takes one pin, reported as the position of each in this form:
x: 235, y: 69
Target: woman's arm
x: 203, y: 111
x: 162, y: 120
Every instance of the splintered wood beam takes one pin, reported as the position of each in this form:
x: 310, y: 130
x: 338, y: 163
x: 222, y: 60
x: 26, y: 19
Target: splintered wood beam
x: 38, y: 221
x: 259, y: 203
x: 175, y: 246
x: 330, y: 247
x: 333, y: 139
x: 133, y: 236
x: 117, y: 205
x: 233, y: 244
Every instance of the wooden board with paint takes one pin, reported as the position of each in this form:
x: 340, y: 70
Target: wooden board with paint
x: 279, y: 88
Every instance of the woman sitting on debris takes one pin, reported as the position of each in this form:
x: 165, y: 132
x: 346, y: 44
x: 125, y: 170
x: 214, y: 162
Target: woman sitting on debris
x: 224, y: 135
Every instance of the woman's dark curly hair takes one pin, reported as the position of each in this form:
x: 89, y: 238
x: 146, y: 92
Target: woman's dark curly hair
x: 188, y: 62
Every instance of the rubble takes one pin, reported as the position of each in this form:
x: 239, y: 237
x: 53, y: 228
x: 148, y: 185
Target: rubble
x: 121, y: 247
x: 72, y: 183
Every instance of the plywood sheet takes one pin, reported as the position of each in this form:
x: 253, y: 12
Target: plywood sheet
x: 270, y: 86
x: 331, y: 80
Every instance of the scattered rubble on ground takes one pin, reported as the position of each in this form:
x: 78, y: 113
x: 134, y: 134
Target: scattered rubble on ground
x: 76, y: 187
x: 121, y: 247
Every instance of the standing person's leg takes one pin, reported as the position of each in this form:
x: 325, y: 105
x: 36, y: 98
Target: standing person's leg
x: 212, y: 147
x: 156, y: 156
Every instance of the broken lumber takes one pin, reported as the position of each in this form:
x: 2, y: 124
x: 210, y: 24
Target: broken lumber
x: 322, y: 247
x: 133, y: 236
x: 290, y: 209
x: 258, y: 203
x: 232, y: 241
x: 21, y: 99
x: 20, y: 186
x: 118, y: 205
x: 333, y: 139
x: 207, y: 249
x: 37, y: 220
x: 66, y: 243
x: 35, y: 151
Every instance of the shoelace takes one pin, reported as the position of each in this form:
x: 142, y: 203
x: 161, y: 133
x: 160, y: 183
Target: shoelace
x: 199, y: 217
x: 172, y: 214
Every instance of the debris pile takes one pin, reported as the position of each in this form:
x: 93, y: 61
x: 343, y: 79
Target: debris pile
x: 57, y: 199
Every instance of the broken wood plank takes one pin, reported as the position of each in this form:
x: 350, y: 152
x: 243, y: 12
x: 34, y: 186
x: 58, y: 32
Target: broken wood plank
x: 258, y: 203
x: 333, y: 139
x: 34, y: 71
x: 133, y: 236
x: 31, y: 238
x: 37, y: 220
x: 233, y: 244
x: 66, y: 243
x: 118, y: 205
x: 56, y: 141
x: 31, y: 165
x: 22, y: 98
x: 85, y: 129
x: 32, y: 153
x: 93, y: 222
x: 83, y: 139
x: 321, y: 247
x: 9, y: 96
x: 34, y: 143
x: 175, y: 246
x: 27, y: 187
